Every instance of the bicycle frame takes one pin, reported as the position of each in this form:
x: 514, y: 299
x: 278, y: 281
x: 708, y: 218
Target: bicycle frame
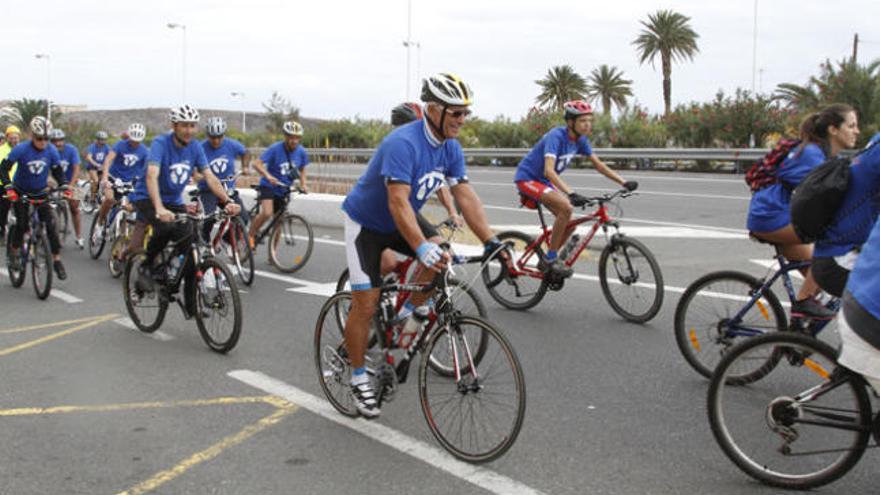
x: 267, y: 228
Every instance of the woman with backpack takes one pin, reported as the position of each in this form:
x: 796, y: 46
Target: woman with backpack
x: 823, y: 134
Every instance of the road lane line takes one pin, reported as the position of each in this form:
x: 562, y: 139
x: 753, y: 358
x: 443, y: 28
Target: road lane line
x: 20, y: 347
x: 157, y: 335
x: 130, y: 406
x: 46, y: 325
x: 56, y: 293
x: 479, y: 476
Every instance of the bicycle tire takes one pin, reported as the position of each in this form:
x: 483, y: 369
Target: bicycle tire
x: 523, y: 258
x: 63, y: 221
x: 41, y: 257
x: 133, y: 297
x: 216, y: 301
x: 805, y: 363
x: 703, y: 341
x: 96, y: 241
x: 635, y: 288
x: 331, y: 358
x: 438, y: 396
x: 291, y: 229
x: 243, y: 255
x: 16, y: 277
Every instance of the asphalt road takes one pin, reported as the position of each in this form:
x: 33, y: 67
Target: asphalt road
x: 88, y: 405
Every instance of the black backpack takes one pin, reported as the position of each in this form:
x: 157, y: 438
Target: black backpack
x: 815, y: 200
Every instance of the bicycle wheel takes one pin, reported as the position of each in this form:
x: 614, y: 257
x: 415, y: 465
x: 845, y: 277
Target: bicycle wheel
x: 145, y: 308
x: 291, y: 242
x: 218, y: 306
x: 96, y: 239
x: 783, y: 430
x: 115, y: 262
x: 477, y: 416
x: 703, y: 328
x: 637, y: 292
x: 15, y: 276
x: 41, y: 266
x: 62, y: 220
x: 331, y: 358
x: 524, y: 290
x: 466, y: 301
x: 88, y: 204
x: 242, y: 254
x: 342, y: 283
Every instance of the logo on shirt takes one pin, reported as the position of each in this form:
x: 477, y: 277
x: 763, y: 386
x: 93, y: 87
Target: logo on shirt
x: 285, y: 168
x: 36, y: 167
x: 563, y: 161
x: 218, y: 165
x: 99, y: 157
x: 129, y: 160
x: 427, y: 184
x: 179, y: 173
x: 64, y: 165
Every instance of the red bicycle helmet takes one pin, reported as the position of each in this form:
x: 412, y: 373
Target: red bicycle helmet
x: 576, y: 108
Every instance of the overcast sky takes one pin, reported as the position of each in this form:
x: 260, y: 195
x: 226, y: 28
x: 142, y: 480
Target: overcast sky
x: 336, y: 58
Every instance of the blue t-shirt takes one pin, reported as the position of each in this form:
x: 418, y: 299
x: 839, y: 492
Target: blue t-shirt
x: 557, y: 144
x: 221, y: 160
x: 69, y: 160
x: 175, y: 164
x: 857, y: 213
x: 98, y: 153
x: 130, y: 162
x: 411, y: 155
x: 283, y: 165
x: 32, y: 174
x: 863, y: 282
x: 769, y: 207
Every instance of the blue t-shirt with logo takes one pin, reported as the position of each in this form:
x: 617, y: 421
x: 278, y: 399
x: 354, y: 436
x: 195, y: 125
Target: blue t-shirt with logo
x: 557, y: 144
x: 410, y: 155
x: 283, y: 165
x: 32, y: 174
x: 175, y: 164
x: 130, y: 162
x: 98, y: 153
x: 769, y: 207
x: 69, y: 160
x: 863, y: 282
x: 221, y: 160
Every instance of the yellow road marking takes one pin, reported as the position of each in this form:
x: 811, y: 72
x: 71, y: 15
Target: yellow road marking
x: 212, y: 451
x: 43, y: 340
x: 31, y: 411
x: 49, y: 325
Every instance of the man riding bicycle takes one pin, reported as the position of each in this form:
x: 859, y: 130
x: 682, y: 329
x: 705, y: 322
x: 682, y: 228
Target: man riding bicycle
x: 538, y: 175
x: 221, y: 153
x: 381, y: 212
x: 159, y: 196
x: 126, y: 163
x: 95, y: 154
x: 281, y: 164
x: 70, y: 165
x: 35, y: 159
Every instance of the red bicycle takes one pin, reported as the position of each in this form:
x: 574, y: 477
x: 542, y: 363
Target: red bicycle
x: 628, y: 273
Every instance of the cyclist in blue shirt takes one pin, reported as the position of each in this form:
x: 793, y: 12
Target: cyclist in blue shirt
x: 823, y: 134
x: 173, y: 158
x: 126, y: 163
x: 281, y: 164
x: 538, y: 176
x: 70, y: 164
x: 35, y: 159
x: 221, y: 153
x: 95, y: 155
x: 380, y: 211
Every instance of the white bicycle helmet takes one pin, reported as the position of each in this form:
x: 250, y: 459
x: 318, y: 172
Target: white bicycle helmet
x: 101, y: 135
x: 137, y: 132
x: 446, y: 89
x: 41, y: 127
x: 215, y: 127
x: 292, y: 128
x: 184, y: 113
x: 56, y: 135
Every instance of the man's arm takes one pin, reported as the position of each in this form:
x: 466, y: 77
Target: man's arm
x: 162, y: 213
x: 605, y: 170
x: 553, y: 177
x: 246, y: 163
x: 403, y: 215
x: 302, y: 179
x: 446, y: 200
x: 472, y: 210
x: 5, y: 168
x: 105, y: 182
x: 261, y: 169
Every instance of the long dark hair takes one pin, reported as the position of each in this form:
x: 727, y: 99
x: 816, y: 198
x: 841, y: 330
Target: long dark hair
x: 814, y: 128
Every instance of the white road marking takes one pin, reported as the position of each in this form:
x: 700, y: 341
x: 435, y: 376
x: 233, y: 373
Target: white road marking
x: 641, y: 192
x: 157, y: 335
x: 479, y: 476
x: 56, y: 293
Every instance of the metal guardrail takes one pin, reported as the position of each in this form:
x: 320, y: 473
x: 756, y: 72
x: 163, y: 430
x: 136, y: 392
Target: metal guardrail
x: 720, y: 154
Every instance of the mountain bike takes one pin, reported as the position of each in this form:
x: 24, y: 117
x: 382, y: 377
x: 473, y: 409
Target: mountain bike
x: 34, y: 247
x: 471, y: 386
x: 290, y: 236
x: 115, y: 221
x: 629, y: 275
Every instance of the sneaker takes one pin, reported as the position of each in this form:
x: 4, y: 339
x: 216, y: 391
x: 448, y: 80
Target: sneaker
x: 364, y: 398
x: 559, y: 268
x: 79, y: 243
x: 811, y: 308
x: 59, y: 270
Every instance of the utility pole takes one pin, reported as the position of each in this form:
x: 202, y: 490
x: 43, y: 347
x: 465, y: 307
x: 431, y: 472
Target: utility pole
x: 855, y: 48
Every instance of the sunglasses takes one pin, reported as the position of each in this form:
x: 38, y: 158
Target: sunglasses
x: 458, y: 113
x: 40, y: 138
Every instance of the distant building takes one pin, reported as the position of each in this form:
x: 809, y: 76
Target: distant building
x: 71, y: 108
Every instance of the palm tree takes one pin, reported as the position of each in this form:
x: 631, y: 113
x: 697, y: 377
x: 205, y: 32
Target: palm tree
x: 796, y: 96
x: 608, y: 85
x: 561, y: 84
x: 24, y: 110
x: 668, y: 34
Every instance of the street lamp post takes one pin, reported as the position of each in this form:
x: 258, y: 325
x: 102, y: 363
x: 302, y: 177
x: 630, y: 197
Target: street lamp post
x: 240, y: 95
x: 182, y: 27
x: 48, y: 84
x: 754, y: 45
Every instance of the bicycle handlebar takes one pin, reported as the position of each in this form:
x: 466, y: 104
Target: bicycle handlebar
x: 607, y: 197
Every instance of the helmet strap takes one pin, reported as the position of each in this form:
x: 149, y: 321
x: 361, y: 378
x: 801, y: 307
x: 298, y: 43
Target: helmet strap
x: 438, y: 129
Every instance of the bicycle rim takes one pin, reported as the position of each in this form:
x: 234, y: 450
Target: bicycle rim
x: 631, y: 280
x: 477, y: 417
x: 96, y: 239
x: 218, y: 306
x: 41, y: 267
x: 466, y: 302
x: 291, y: 243
x: 763, y: 430
x: 528, y: 287
x: 331, y: 358
x: 145, y: 309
